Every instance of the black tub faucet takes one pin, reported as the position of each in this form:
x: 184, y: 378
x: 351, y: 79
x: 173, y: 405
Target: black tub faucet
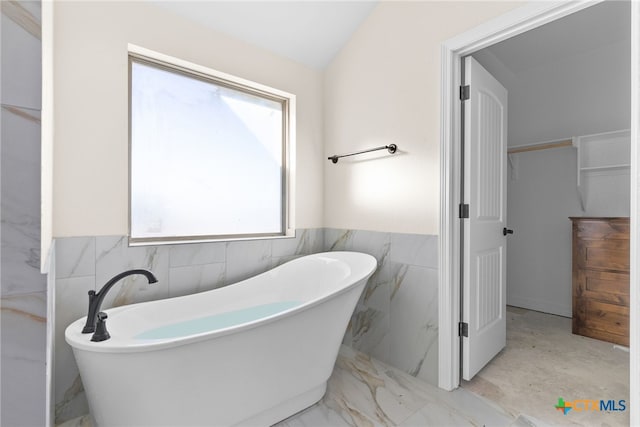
x: 95, y: 299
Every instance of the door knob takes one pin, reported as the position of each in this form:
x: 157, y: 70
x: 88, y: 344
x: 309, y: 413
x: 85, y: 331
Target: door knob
x: 506, y: 231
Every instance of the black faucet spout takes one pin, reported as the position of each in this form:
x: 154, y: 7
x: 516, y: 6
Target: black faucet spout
x: 95, y: 299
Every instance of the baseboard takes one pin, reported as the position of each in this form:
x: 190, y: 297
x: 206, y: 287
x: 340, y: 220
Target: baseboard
x: 540, y: 305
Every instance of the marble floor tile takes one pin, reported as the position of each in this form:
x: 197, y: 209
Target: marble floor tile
x: 320, y: 414
x: 529, y: 421
x: 550, y: 362
x: 433, y: 414
x: 83, y: 421
x: 363, y: 392
x: 360, y: 385
x: 391, y: 397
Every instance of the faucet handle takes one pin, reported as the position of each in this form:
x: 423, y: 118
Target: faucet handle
x: 90, y: 326
x: 101, y: 333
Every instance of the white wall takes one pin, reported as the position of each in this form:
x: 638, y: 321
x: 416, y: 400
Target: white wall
x: 581, y: 94
x: 607, y: 193
x: 90, y: 73
x: 539, y: 204
x: 540, y: 201
x: 384, y: 87
x: 380, y: 89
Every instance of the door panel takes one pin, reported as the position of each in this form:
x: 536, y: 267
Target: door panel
x: 484, y: 256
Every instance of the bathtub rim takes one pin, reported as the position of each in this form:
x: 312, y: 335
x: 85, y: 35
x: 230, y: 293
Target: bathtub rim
x: 80, y: 341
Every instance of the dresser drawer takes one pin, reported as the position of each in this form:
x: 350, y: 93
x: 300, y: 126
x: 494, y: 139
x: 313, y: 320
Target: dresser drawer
x: 611, y: 287
x: 603, y: 254
x: 602, y: 321
x: 601, y: 278
x: 590, y: 229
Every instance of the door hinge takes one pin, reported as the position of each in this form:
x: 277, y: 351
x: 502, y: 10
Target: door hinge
x: 463, y: 329
x: 465, y: 92
x: 463, y: 210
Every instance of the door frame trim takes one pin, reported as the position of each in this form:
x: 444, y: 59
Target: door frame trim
x: 501, y: 28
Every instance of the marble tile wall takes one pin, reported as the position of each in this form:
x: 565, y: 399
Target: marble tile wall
x: 395, y: 320
x: 23, y: 303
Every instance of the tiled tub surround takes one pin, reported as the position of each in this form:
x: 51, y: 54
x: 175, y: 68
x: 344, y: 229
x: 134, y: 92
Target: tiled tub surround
x: 395, y: 320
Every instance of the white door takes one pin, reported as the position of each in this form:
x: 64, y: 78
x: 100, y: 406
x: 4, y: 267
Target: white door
x: 485, y: 191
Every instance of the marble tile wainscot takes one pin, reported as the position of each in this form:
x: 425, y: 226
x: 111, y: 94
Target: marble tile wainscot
x: 395, y: 320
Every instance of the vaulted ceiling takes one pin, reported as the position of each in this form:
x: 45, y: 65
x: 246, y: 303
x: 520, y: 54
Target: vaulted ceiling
x: 312, y: 32
x: 309, y: 32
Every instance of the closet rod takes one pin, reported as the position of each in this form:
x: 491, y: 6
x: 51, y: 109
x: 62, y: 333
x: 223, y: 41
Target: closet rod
x: 543, y: 146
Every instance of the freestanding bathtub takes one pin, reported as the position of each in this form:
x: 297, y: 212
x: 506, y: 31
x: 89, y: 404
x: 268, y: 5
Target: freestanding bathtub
x: 250, y: 354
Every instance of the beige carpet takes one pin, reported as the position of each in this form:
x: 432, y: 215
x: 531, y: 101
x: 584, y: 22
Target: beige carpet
x: 543, y: 361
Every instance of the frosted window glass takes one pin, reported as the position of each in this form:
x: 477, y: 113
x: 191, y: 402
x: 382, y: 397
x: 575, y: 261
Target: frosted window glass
x: 206, y: 160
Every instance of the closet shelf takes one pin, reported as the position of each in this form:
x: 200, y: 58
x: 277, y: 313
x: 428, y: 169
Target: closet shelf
x: 601, y: 152
x: 604, y: 168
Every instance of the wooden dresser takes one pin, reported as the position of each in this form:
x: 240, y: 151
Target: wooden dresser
x: 601, y: 278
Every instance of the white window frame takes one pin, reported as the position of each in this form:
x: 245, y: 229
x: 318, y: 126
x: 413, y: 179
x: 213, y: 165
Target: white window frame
x: 143, y: 55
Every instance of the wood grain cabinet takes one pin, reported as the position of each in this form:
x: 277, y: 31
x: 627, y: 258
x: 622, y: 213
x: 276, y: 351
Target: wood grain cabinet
x: 601, y: 278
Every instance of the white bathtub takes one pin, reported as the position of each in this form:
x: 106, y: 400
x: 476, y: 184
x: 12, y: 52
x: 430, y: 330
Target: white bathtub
x: 249, y: 354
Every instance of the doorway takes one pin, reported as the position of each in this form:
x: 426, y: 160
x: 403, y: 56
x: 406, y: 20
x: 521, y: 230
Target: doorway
x: 568, y: 99
x: 513, y: 24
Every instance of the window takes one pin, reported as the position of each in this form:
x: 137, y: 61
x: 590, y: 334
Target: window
x: 209, y: 154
